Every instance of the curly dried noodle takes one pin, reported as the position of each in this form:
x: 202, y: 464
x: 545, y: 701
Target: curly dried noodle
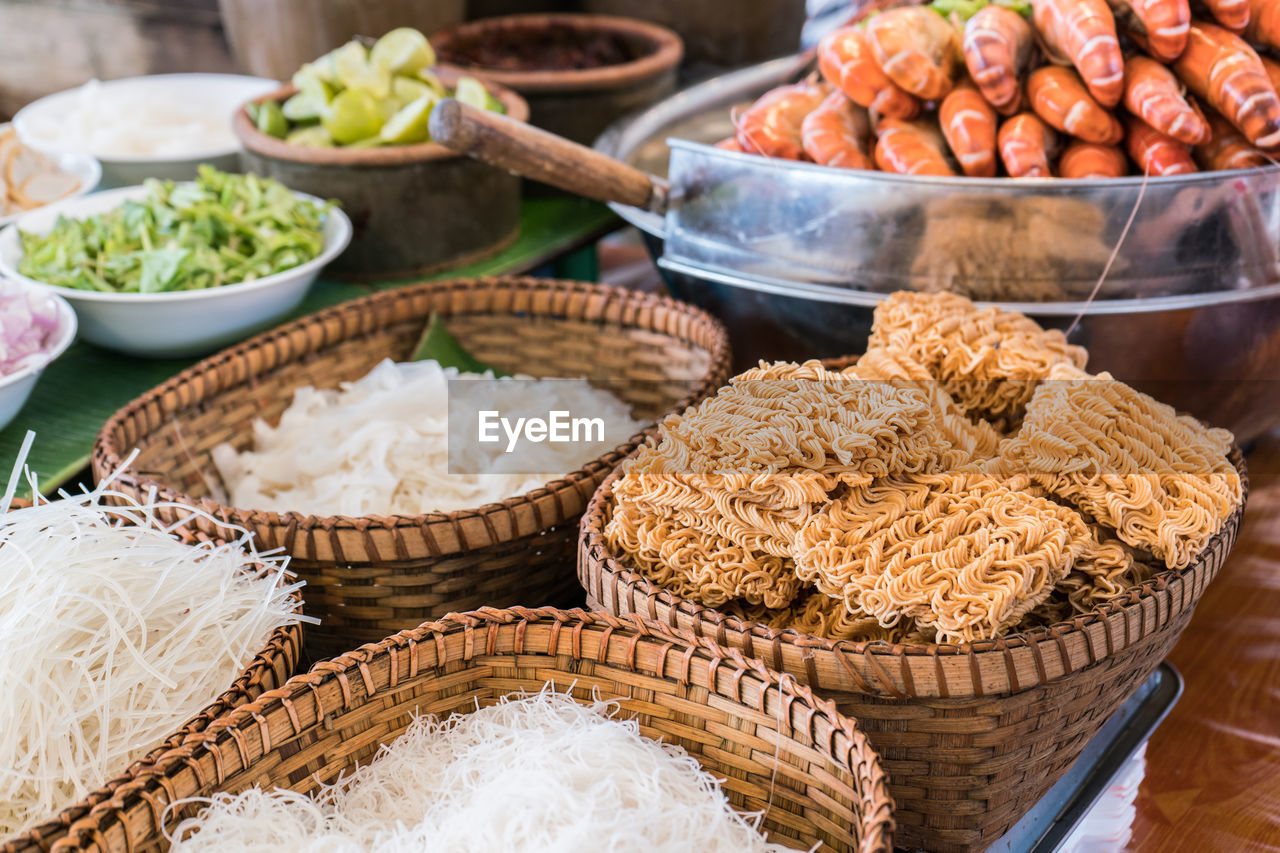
x: 965, y: 479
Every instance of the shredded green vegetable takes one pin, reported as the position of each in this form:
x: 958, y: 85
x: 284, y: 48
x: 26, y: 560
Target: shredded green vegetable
x: 222, y: 229
x: 966, y: 9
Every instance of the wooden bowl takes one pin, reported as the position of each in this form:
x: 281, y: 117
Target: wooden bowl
x: 415, y: 209
x: 577, y: 103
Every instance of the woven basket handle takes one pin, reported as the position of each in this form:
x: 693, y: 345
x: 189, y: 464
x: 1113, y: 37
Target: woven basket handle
x: 542, y: 156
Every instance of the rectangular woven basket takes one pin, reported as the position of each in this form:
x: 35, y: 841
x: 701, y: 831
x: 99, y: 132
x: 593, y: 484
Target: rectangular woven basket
x: 371, y: 576
x: 270, y: 668
x: 778, y: 749
x: 970, y: 736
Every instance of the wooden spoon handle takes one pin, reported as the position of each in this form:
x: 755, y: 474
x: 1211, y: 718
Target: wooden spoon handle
x: 542, y: 156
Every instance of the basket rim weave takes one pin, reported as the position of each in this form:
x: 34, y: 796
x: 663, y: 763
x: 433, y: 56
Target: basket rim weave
x: 284, y: 642
x: 339, y: 685
x: 577, y: 301
x: 879, y: 667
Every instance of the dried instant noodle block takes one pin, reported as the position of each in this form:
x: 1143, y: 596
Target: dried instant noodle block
x: 961, y: 555
x: 977, y: 439
x: 675, y: 551
x: 783, y: 416
x: 1162, y: 481
x: 988, y: 360
x: 711, y: 511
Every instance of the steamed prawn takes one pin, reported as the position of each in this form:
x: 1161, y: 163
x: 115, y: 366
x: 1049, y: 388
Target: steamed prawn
x: 1058, y: 96
x: 998, y: 44
x: 1224, y: 72
x: 772, y: 125
x: 969, y: 124
x: 1153, y: 93
x: 1157, y: 153
x: 1083, y: 33
x: 846, y: 62
x: 1264, y: 23
x: 911, y: 148
x: 917, y: 49
x: 1161, y: 26
x: 1027, y: 145
x: 1227, y: 148
x: 1090, y: 160
x: 836, y: 133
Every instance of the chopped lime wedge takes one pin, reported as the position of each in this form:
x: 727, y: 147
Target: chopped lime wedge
x: 271, y: 120
x: 472, y: 93
x: 354, y: 71
x: 406, y: 90
x: 310, y: 137
x: 428, y: 76
x: 354, y: 115
x: 371, y: 142
x: 410, y: 125
x: 402, y: 51
x: 304, y: 107
x: 496, y: 106
x: 311, y: 80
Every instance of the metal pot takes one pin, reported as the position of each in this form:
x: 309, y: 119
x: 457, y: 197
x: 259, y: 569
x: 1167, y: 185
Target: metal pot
x: 793, y: 257
x: 1196, y: 324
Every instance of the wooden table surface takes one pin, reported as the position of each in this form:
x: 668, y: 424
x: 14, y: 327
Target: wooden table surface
x: 1213, y: 767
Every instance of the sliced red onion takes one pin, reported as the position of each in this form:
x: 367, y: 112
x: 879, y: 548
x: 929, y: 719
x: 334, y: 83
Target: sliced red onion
x: 28, y: 328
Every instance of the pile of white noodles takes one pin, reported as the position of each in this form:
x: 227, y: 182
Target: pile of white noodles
x: 537, y: 773
x: 112, y: 636
x: 380, y: 445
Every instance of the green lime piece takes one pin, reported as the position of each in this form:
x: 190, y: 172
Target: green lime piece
x: 402, y: 51
x: 429, y: 77
x: 355, y: 72
x: 495, y: 106
x: 406, y: 90
x: 410, y: 125
x: 371, y: 142
x: 354, y: 115
x: 271, y: 120
x: 312, y: 80
x: 303, y: 107
x: 472, y: 93
x: 310, y: 137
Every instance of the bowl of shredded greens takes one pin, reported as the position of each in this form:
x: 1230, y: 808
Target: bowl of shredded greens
x: 178, y: 269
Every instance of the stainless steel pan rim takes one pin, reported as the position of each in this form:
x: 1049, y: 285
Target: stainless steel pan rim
x: 868, y: 299
x: 968, y: 183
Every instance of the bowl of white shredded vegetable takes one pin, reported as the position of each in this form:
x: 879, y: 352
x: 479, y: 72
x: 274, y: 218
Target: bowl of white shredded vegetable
x: 172, y: 269
x: 36, y: 327
x: 158, y: 126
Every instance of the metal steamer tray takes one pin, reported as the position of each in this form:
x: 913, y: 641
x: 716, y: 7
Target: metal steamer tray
x: 793, y: 257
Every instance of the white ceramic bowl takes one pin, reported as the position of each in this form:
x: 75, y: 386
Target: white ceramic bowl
x: 184, y: 323
x: 45, y: 124
x: 15, y: 388
x: 83, y: 166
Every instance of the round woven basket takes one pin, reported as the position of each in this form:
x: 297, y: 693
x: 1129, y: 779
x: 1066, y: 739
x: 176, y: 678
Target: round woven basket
x: 741, y: 721
x: 371, y: 576
x: 971, y: 736
x: 273, y: 665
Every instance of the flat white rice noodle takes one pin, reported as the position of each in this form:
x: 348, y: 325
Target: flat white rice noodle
x: 114, y: 635
x: 380, y: 446
x: 533, y: 773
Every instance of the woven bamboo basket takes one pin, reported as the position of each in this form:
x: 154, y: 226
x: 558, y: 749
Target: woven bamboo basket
x: 779, y: 749
x: 273, y: 665
x: 369, y: 577
x: 971, y: 736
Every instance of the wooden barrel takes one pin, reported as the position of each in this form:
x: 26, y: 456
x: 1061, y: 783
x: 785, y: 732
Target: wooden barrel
x: 272, y: 38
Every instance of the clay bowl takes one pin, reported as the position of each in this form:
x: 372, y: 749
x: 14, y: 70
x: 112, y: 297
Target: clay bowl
x: 577, y: 103
x: 415, y: 209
